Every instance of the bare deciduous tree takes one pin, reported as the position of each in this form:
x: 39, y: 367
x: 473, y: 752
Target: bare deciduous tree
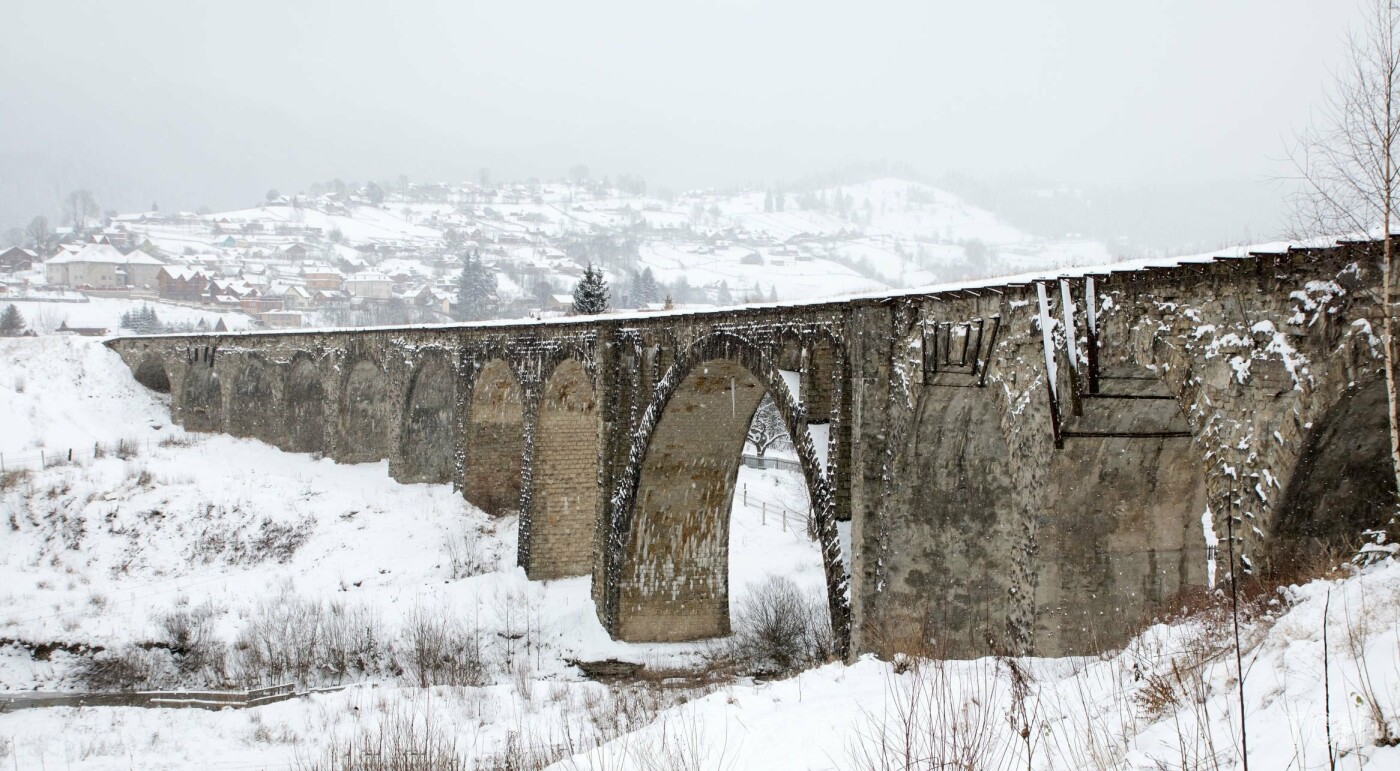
x: 38, y: 232
x: 81, y: 207
x: 1347, y: 164
x: 767, y: 429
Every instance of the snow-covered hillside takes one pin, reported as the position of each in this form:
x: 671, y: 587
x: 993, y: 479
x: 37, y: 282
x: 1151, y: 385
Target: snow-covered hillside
x: 818, y: 243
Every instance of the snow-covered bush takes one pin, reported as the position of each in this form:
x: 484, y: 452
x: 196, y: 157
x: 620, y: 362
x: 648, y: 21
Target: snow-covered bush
x: 779, y: 629
x: 436, y: 649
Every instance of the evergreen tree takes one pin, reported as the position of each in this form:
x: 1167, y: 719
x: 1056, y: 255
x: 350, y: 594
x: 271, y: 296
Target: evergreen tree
x: 11, y: 322
x: 591, y: 294
x: 670, y: 305
x: 722, y: 295
x: 772, y: 293
x: 645, y: 289
x: 476, y: 290
x: 768, y: 200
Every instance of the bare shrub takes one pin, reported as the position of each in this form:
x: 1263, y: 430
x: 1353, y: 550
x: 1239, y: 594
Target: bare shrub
x: 239, y: 537
x: 778, y: 630
x: 180, y: 440
x: 400, y: 742
x: 12, y: 479
x: 935, y: 719
x: 281, y: 640
x: 353, y: 641
x: 127, y: 449
x: 435, y: 649
x: 190, y: 634
x: 467, y: 555
x: 125, y: 669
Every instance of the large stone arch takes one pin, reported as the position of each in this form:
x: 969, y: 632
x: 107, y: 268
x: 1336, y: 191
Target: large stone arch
x: 495, y: 440
x: 151, y: 374
x: 304, y: 407
x: 667, y: 543
x: 565, y: 497
x: 365, y: 414
x: 250, y: 397
x: 202, y: 399
x: 428, y: 448
x: 1343, y: 484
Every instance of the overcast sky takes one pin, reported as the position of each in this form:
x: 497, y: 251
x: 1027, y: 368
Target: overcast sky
x: 216, y: 102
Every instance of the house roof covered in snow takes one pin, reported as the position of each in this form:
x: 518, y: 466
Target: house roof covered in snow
x: 105, y: 253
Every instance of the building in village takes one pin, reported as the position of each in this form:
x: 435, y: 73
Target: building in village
x: 102, y: 266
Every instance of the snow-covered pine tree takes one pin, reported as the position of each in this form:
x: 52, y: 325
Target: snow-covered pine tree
x: 11, y: 322
x: 476, y: 290
x: 591, y: 294
x: 645, y: 289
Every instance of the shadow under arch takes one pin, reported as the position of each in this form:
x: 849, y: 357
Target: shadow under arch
x: 151, y: 374
x: 494, y: 445
x: 202, y: 399
x: 666, y: 557
x: 364, y: 414
x: 429, y: 421
x: 565, y: 498
x: 252, y: 392
x: 1343, y: 485
x: 304, y: 407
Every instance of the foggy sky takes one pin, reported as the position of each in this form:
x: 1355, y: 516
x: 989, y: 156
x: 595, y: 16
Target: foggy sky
x: 213, y: 103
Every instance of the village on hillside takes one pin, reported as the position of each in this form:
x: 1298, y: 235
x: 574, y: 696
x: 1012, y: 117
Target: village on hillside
x: 395, y: 254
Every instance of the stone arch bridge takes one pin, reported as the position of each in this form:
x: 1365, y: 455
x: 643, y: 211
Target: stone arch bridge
x: 1030, y: 466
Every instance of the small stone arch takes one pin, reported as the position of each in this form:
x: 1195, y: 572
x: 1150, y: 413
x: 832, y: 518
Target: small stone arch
x: 151, y: 374
x: 429, y: 422
x: 1343, y: 483
x: 565, y: 496
x: 365, y: 414
x: 667, y: 543
x: 251, y: 395
x: 202, y: 399
x: 495, y: 440
x: 304, y: 407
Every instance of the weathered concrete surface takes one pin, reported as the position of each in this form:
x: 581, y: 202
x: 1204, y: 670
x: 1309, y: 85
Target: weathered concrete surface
x: 985, y: 515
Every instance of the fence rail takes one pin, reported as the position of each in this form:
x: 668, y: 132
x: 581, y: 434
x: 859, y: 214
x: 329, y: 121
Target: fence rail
x: 171, y: 699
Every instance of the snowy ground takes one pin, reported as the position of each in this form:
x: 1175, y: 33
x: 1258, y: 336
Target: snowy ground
x: 99, y: 552
x: 106, y: 313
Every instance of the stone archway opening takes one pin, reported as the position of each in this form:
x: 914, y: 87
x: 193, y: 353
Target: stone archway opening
x: 151, y: 374
x: 1342, y: 486
x: 203, y: 399
x: 674, y: 578
x: 565, y: 500
x: 495, y: 441
x: 305, y: 408
x: 365, y: 416
x: 772, y: 528
x: 429, y: 423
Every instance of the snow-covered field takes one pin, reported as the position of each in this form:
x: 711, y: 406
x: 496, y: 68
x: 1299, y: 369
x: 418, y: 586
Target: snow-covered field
x: 106, y: 313
x: 106, y: 551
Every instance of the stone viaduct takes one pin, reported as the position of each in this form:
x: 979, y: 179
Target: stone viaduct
x: 1031, y: 466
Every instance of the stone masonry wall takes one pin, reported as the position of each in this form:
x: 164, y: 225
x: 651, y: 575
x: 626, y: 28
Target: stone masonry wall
x: 567, y: 500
